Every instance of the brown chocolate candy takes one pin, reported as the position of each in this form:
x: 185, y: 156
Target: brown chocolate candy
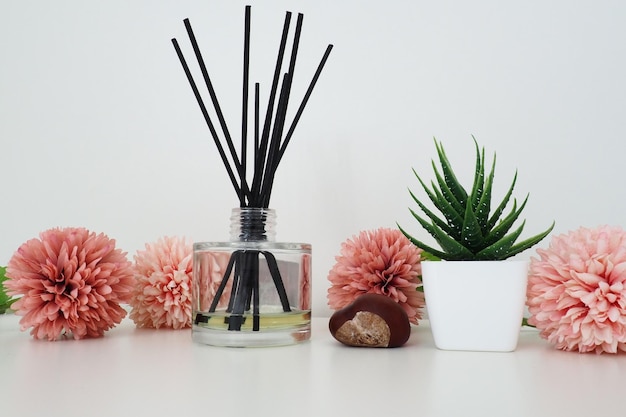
x: 372, y: 320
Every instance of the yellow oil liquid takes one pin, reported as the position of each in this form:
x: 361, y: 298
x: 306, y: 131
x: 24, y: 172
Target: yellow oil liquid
x: 267, y: 321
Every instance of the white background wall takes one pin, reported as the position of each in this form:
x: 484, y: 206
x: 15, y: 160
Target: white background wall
x: 99, y: 128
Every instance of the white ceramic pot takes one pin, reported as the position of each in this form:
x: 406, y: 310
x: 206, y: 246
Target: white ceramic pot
x: 475, y: 305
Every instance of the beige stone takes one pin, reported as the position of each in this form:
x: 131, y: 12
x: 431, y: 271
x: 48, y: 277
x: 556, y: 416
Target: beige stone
x: 365, y: 330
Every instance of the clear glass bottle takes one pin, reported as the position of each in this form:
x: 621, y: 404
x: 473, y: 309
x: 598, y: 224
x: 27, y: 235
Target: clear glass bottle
x: 251, y: 291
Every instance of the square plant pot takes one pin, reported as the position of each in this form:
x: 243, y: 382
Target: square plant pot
x: 475, y: 305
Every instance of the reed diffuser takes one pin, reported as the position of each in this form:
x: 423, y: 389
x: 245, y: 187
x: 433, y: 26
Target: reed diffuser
x: 252, y: 290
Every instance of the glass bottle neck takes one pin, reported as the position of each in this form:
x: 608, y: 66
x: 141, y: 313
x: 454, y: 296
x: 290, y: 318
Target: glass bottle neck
x: 252, y: 224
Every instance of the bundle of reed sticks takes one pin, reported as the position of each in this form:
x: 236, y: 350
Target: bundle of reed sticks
x: 270, y: 143
x: 270, y: 140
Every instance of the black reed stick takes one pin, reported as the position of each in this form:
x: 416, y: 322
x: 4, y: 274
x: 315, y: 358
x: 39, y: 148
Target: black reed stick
x: 244, y: 101
x: 205, y: 113
x: 260, y: 162
x: 256, y: 119
x: 216, y: 105
x: 277, y: 132
x: 307, y: 95
x: 294, y: 54
x: 279, y: 120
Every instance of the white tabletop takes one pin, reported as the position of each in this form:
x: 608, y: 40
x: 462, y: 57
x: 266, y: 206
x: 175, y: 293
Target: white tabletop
x: 136, y: 372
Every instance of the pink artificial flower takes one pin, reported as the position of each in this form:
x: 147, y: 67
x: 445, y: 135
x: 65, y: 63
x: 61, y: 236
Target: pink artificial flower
x: 162, y: 294
x: 382, y: 261
x: 72, y: 282
x: 577, y: 290
x: 210, y: 269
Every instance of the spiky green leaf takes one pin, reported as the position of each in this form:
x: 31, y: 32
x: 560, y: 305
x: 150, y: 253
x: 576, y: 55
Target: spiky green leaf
x: 454, y: 219
x: 432, y: 216
x: 433, y: 194
x: 495, y: 217
x: 482, y: 211
x: 479, y: 177
x: 427, y: 256
x: 447, y: 193
x: 449, y: 176
x: 505, y: 225
x: 429, y: 252
x: 424, y: 186
x: 451, y: 248
x: 454, y: 249
x: 471, y: 236
x: 530, y: 242
x: 500, y: 249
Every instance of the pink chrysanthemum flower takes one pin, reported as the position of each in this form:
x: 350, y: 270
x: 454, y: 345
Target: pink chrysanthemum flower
x: 382, y: 261
x: 72, y: 282
x: 577, y: 290
x: 162, y: 294
x: 210, y: 271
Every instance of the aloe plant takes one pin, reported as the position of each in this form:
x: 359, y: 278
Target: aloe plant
x: 467, y: 229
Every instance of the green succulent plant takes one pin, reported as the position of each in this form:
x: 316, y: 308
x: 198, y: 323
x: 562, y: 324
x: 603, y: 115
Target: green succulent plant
x: 468, y: 229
